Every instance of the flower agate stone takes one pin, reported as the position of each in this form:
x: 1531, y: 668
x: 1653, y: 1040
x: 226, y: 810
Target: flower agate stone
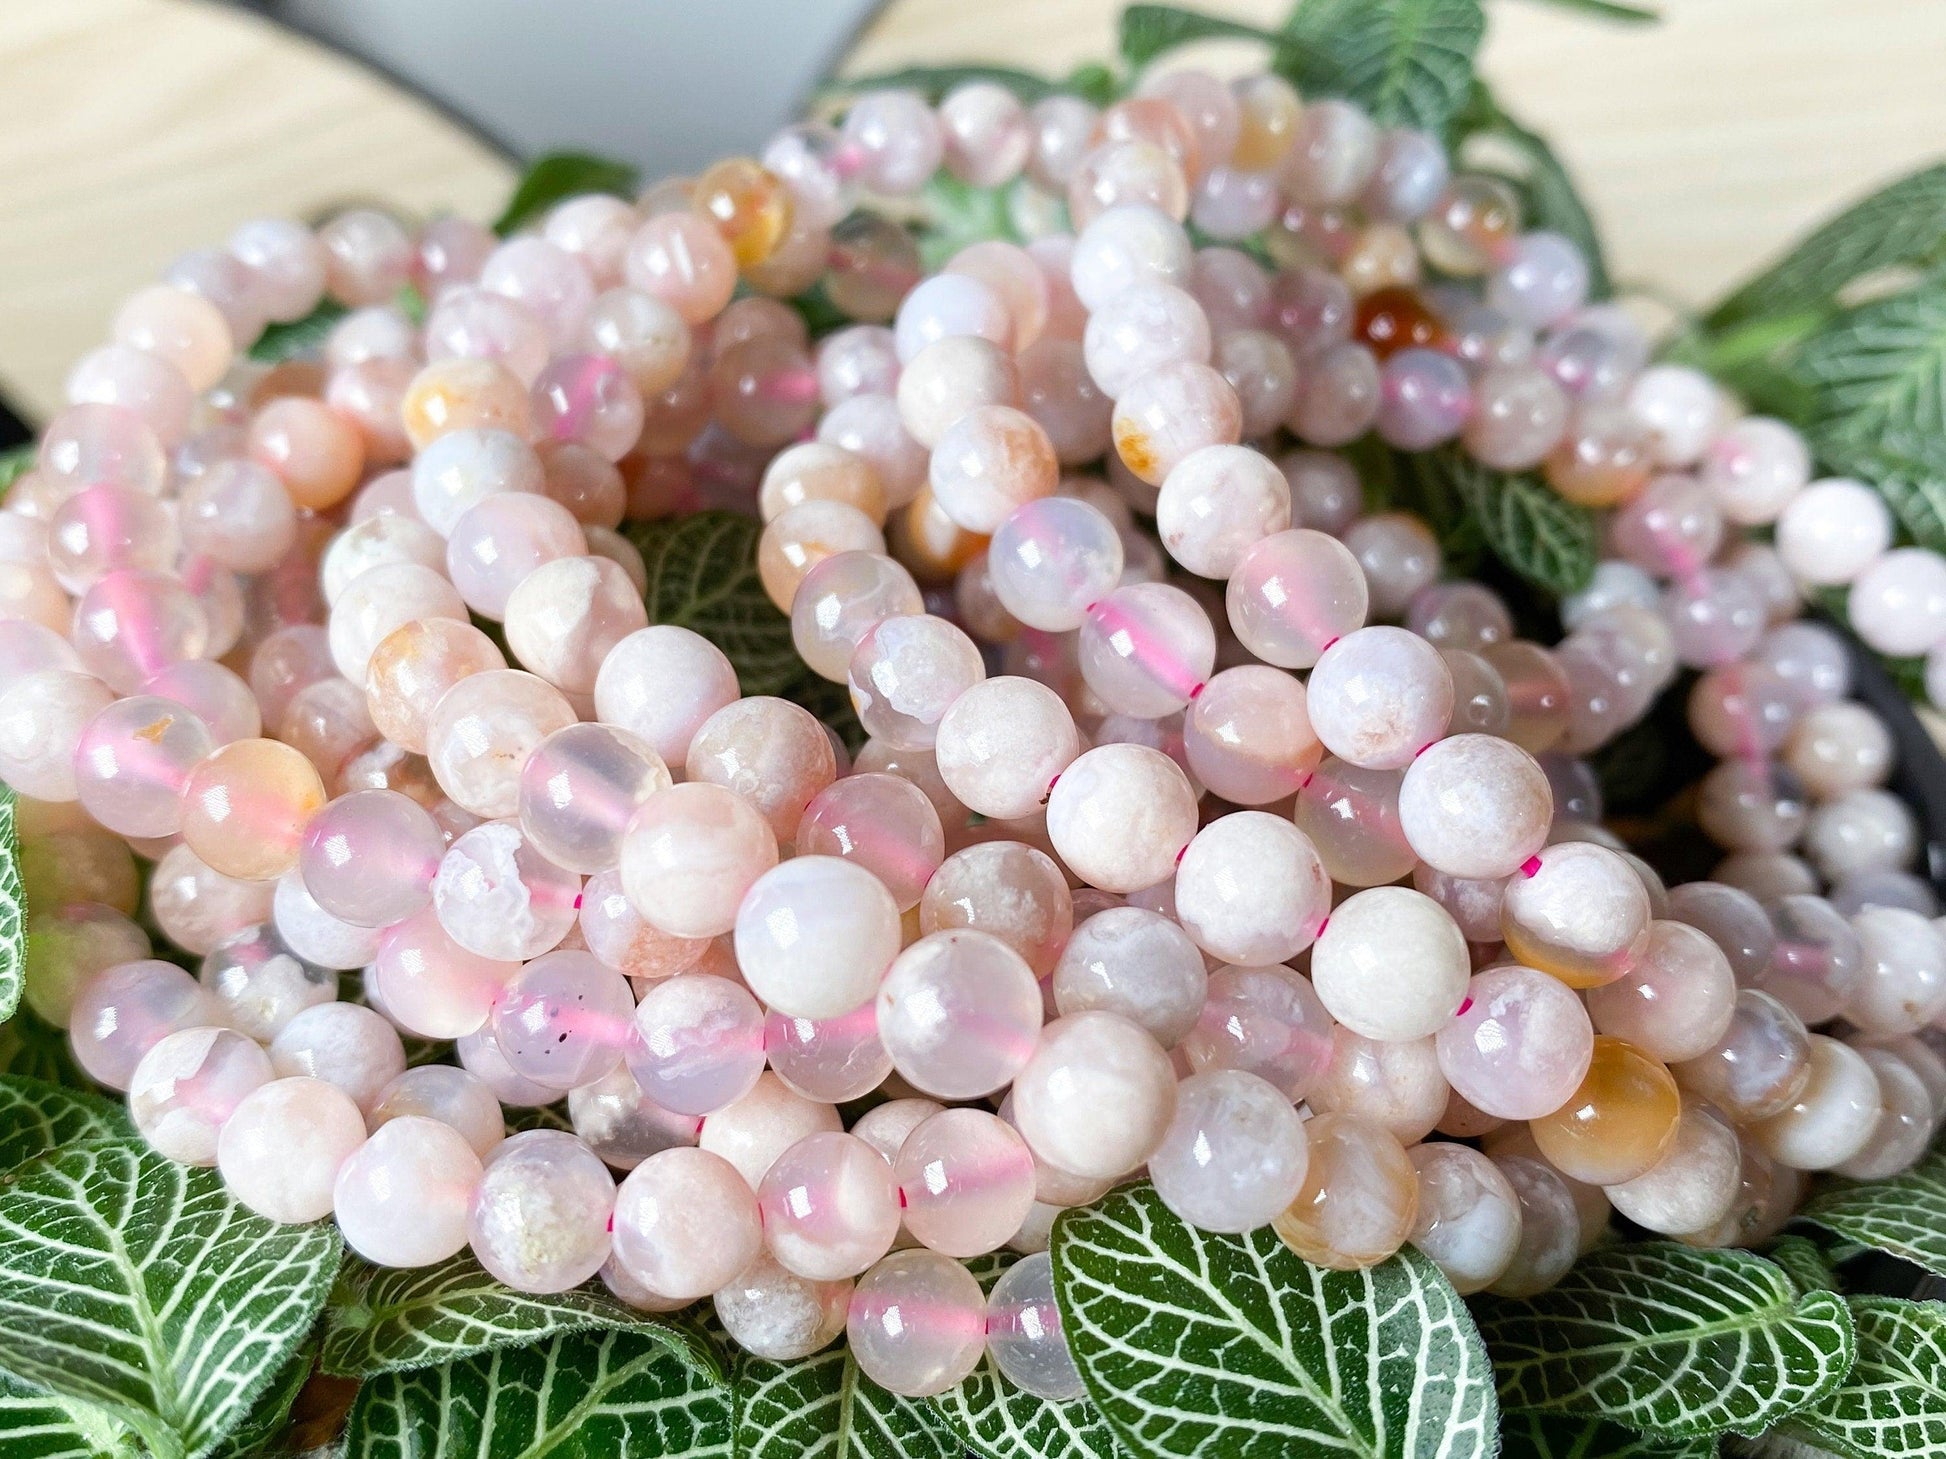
x: 499, y: 897
x: 661, y: 683
x: 1137, y: 963
x: 1120, y: 815
x: 1147, y: 649
x: 447, y: 1094
x: 773, y: 753
x: 1234, y: 1155
x: 1007, y: 889
x: 188, y: 1086
x: 541, y: 1214
x: 617, y: 934
x: 752, y: 1131
x: 1692, y: 1186
x: 840, y: 600
x: 1475, y: 806
x: 1002, y: 744
x: 1519, y: 1046
x: 1251, y: 890
x: 482, y: 731
x: 700, y: 1043
x: 260, y: 983
x: 1905, y: 1122
x: 1902, y: 981
x: 1097, y: 1096
x: 689, y: 856
x: 830, y: 1059
x: 131, y: 761
x: 1263, y: 1021
x: 69, y: 946
x: 685, y: 1224
x: 1582, y: 916
x: 1359, y: 1199
x: 1391, y: 964
x: 1833, y: 1115
x: 245, y: 807
x: 906, y: 673
x: 1396, y: 1083
x: 122, y: 1012
x: 1618, y: 1123
x: 564, y: 1020
x: 882, y: 823
x: 1469, y: 1218
x: 1379, y: 696
x: 369, y: 858
x: 1248, y: 736
x: 282, y: 1147
x: 1052, y: 560
x: 343, y: 1044
x: 1550, y: 1227
x: 1024, y: 1336
x: 1676, y: 1002
x: 815, y: 934
x: 917, y: 1323
x: 403, y: 1196
x: 579, y: 790
x: 829, y: 1207
x: 434, y: 987
x: 959, y: 1012
x: 1351, y: 815
x: 775, y: 1314
x: 965, y: 1182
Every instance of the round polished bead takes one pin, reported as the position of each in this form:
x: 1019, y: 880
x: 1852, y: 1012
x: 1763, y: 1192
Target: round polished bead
x: 829, y: 1207
x: 122, y: 1012
x: 1120, y: 815
x: 689, y: 856
x: 1234, y: 1155
x: 1379, y: 696
x: 1618, y: 1123
x: 917, y: 1323
x: 402, y: 1198
x: 958, y: 1011
x: 965, y: 1182
x: 343, y: 1044
x: 579, y: 790
x: 1835, y: 1112
x: 1391, y: 964
x: 1678, y: 999
x: 282, y: 1147
x: 564, y: 1019
x: 369, y: 858
x: 772, y: 1313
x: 188, y: 1085
x: 1264, y: 1021
x: 497, y: 896
x: 1469, y: 1217
x: 699, y: 1043
x: 541, y: 1213
x: 1692, y: 1187
x: 1519, y: 1046
x: 1024, y: 1337
x: 1137, y: 963
x: 447, y: 1094
x: 1550, y: 1226
x: 815, y: 934
x: 1583, y: 915
x: 1096, y: 1097
x: 1360, y: 1196
x: 1251, y: 890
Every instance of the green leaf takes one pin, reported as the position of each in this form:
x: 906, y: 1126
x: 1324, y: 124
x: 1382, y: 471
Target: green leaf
x: 1804, y: 1262
x: 36, y: 1117
x: 1206, y: 1345
x: 1610, y: 10
x: 1880, y: 367
x: 1893, y: 1401
x: 1902, y: 224
x: 933, y: 82
x: 13, y: 911
x: 137, y: 1284
x: 703, y: 576
x: 1556, y: 1436
x: 1150, y: 30
x: 306, y: 336
x: 1093, y: 83
x: 1671, y: 1339
x: 1408, y: 62
x: 559, y: 176
x: 822, y: 1407
x: 38, y: 1425
x: 1539, y: 534
x: 16, y: 462
x: 383, y: 1320
x: 38, y: 1050
x: 1905, y: 1215
x: 958, y: 214
x: 1523, y: 158
x: 272, y: 1410
x: 1003, y: 1421
x: 591, y: 1395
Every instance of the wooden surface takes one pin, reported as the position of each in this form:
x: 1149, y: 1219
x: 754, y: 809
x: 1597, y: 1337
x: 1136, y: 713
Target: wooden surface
x: 134, y: 130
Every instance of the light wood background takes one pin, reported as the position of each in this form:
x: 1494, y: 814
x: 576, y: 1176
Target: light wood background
x: 133, y: 130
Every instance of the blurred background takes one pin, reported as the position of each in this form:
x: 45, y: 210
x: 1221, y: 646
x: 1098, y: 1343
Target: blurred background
x: 134, y: 130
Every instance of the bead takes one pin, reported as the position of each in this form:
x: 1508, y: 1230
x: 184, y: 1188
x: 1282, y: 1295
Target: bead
x: 883, y: 823
x: 1359, y: 1200
x: 1618, y: 1123
x: 1379, y: 696
x: 370, y: 858
x: 1002, y: 744
x: 1692, y: 1187
x: 499, y: 897
x: 434, y: 987
x: 752, y: 1131
x: 343, y: 1044
x: 1519, y: 1046
x: 1141, y: 329
x: 662, y: 683
x: 1391, y: 964
x: 564, y: 1019
x: 188, y: 1085
x: 1905, y: 1123
x: 131, y: 761
x: 771, y: 752
x: 1097, y: 1096
x: 1583, y: 915
x: 965, y: 1181
x: 1550, y: 1227
x: 67, y: 947
x: 1119, y: 816
x: 579, y: 790
x: 541, y: 1213
x: 282, y: 1147
x: 958, y: 1012
x: 1136, y: 963
x: 402, y: 1198
x: 1251, y: 890
x: 690, y: 854
x: 1676, y: 1002
x: 1475, y: 806
x: 1234, y: 1155
x: 906, y: 673
x: 495, y: 543
x: 1469, y: 1217
x: 1754, y: 468
x: 829, y: 1207
x: 699, y: 1044
x: 1902, y: 982
x: 1834, y: 1114
x: 1008, y: 890
x: 917, y: 1323
x: 840, y: 600
x: 815, y: 934
x: 481, y: 731
x: 1023, y: 1332
x: 773, y: 1313
x: 245, y: 807
x: 451, y: 1096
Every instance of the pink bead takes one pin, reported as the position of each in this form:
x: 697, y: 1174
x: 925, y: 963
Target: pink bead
x: 699, y: 1043
x: 681, y: 259
x: 1519, y: 1046
x: 497, y: 542
x: 828, y: 1059
x: 542, y: 1213
x: 196, y: 907
x: 187, y: 1087
x: 1141, y: 329
x: 882, y: 822
x: 966, y: 1181
x: 150, y: 388
x: 897, y: 140
x: 1248, y: 736
x: 102, y: 445
x: 482, y: 731
x: 1294, y: 594
x: 958, y: 1011
x: 1147, y: 649
x: 369, y: 858
x: 282, y: 1147
x: 124, y: 1011
x: 368, y: 256
x: 133, y: 624
x: 580, y: 788
x: 686, y: 1224
x: 42, y: 717
x: 104, y: 529
x: 566, y: 615
x: 905, y: 674
x: 132, y: 761
x: 498, y: 895
x: 617, y: 934
x: 1264, y: 1021
x: 814, y: 934
x: 591, y: 400
x: 773, y: 753
x: 434, y: 987
x: 1379, y: 696
x: 565, y: 1020
x: 830, y: 1207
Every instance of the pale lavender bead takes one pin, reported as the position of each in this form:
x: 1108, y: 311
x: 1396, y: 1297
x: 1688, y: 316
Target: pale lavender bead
x: 905, y: 674
x: 1137, y: 963
x: 1147, y: 649
x: 1898, y: 604
x: 1325, y: 492
x: 342, y: 1044
x: 1717, y: 617
x: 807, y: 158
x: 472, y: 323
x: 1411, y: 173
x: 1140, y: 329
x: 1264, y: 1021
x: 1233, y: 204
x: 1024, y: 1336
x: 451, y: 1096
x: 313, y: 934
x: 1233, y: 289
x: 959, y: 1011
x: 237, y: 291
x: 1519, y: 1045
x: 699, y: 1043
x: 1259, y: 368
x: 1052, y: 560
x: 861, y: 360
x: 541, y: 1214
x: 464, y: 467
x: 1614, y: 584
x: 579, y: 790
x: 1338, y: 396
x: 831, y: 1060
x: 258, y: 984
x: 1459, y: 615
x: 564, y: 1020
x: 131, y: 761
x: 1312, y: 309
x: 947, y: 305
x: 1544, y: 279
x: 1334, y: 154
x: 1235, y: 1154
x: 1884, y: 888
x: 1424, y: 399
x: 124, y: 1011
x: 498, y: 541
x: 1671, y: 529
x: 898, y: 141
x: 497, y: 894
x: 1519, y: 415
x: 547, y: 279
x: 480, y: 1056
x: 369, y: 858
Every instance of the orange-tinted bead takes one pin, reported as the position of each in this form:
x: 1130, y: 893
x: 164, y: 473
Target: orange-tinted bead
x: 749, y: 205
x: 316, y: 452
x: 931, y: 545
x: 245, y: 807
x: 450, y: 395
x: 1605, y: 458
x: 1390, y: 320
x: 1618, y: 1123
x: 1360, y: 1195
x: 1153, y: 120
x: 1268, y: 110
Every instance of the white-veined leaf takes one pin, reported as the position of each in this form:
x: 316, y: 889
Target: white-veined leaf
x: 822, y: 1407
x: 1227, y: 1347
x: 140, y: 1286
x: 1880, y: 367
x: 36, y: 1117
x: 35, y: 1424
x: 1893, y: 1401
x: 1558, y: 1436
x: 1408, y: 62
x: 584, y: 1395
x: 1669, y: 1339
x: 1905, y: 1215
x: 13, y: 911
x: 382, y: 1320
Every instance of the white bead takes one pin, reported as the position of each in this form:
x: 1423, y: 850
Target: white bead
x: 1391, y: 964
